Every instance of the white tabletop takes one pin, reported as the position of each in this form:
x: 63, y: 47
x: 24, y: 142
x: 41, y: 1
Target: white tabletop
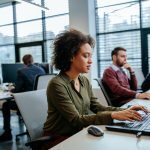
x: 110, y: 141
x: 143, y: 102
x: 5, y: 95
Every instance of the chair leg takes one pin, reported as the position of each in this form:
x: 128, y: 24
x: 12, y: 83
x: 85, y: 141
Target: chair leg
x: 21, y: 134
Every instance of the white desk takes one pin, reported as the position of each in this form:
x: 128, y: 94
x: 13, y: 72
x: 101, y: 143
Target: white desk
x: 138, y: 102
x: 110, y: 141
x: 5, y: 96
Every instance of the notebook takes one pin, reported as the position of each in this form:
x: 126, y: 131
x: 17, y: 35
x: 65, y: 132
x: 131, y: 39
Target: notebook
x: 137, y: 127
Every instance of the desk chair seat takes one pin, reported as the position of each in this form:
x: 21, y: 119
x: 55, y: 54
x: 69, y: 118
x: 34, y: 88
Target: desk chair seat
x: 33, y: 108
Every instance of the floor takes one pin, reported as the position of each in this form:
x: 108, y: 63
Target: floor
x: 17, y: 127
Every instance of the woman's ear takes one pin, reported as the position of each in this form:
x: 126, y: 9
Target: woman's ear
x: 72, y: 59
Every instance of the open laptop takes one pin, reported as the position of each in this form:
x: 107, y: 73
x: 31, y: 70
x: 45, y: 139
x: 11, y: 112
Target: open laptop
x: 137, y: 127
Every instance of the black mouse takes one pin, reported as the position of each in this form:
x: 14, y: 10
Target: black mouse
x: 95, y: 131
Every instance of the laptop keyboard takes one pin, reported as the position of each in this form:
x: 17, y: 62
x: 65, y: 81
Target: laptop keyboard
x: 140, y: 125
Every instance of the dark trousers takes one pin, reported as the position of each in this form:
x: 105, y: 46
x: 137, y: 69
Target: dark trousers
x: 56, y: 140
x: 7, y: 106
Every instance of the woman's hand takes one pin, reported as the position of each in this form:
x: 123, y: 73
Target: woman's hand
x: 129, y: 114
x: 138, y: 107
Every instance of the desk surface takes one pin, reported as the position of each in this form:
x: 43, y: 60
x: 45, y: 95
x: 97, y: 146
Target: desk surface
x: 110, y: 141
x: 145, y: 103
x: 5, y: 96
x: 5, y: 93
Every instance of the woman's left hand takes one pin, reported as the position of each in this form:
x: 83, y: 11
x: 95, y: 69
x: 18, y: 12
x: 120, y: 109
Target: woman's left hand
x: 138, y: 107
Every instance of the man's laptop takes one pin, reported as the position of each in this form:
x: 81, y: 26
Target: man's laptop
x: 137, y: 127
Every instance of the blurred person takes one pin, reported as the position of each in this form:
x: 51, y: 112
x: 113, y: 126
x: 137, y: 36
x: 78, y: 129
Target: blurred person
x: 25, y: 81
x: 121, y: 88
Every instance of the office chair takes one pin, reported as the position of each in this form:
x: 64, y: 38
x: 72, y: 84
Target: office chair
x: 139, y: 76
x: 33, y: 108
x: 103, y: 89
x: 100, y: 95
x: 41, y: 81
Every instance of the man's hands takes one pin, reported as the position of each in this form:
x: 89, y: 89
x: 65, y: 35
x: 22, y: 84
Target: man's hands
x: 143, y: 96
x: 128, y: 67
x: 129, y: 114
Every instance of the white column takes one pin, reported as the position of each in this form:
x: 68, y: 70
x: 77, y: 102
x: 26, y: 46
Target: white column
x: 82, y: 18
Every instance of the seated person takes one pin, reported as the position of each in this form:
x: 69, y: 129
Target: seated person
x: 25, y: 80
x: 146, y: 83
x: 71, y: 103
x: 120, y: 87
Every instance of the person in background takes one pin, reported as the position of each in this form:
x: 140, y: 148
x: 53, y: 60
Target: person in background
x: 120, y: 87
x: 25, y: 81
x: 71, y: 103
x: 146, y: 83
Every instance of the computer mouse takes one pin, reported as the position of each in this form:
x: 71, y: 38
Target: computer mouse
x: 95, y: 131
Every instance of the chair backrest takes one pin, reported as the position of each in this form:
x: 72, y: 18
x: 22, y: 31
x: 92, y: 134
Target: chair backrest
x: 33, y: 108
x: 41, y: 81
x: 100, y: 95
x: 100, y: 83
x: 140, y: 77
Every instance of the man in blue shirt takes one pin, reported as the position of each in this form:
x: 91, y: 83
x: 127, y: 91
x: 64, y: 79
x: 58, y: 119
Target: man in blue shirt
x: 25, y: 81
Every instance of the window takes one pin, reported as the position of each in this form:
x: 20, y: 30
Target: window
x: 55, y: 25
x: 25, y: 11
x: 29, y: 31
x: 8, y: 15
x: 118, y: 23
x: 146, y: 14
x: 27, y: 27
x: 6, y: 34
x: 56, y: 7
x: 35, y: 51
x: 7, y: 55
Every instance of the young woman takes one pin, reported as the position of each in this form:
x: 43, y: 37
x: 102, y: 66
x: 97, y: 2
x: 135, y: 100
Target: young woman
x: 71, y: 103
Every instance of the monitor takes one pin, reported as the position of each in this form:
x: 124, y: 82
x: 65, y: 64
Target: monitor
x: 9, y: 72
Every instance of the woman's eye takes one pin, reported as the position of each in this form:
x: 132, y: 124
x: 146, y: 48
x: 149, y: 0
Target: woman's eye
x: 86, y: 55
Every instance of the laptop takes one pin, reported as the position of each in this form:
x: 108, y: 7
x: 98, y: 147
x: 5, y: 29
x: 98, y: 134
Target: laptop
x: 136, y: 127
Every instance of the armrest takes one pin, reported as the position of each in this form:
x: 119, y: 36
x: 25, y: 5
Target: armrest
x: 40, y: 140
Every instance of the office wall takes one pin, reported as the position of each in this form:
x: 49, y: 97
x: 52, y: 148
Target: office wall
x: 82, y: 17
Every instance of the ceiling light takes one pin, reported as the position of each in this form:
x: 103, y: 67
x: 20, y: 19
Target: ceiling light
x: 4, y: 3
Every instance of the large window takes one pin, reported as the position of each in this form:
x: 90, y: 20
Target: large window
x: 6, y: 35
x: 121, y: 23
x: 27, y: 29
x: 25, y: 11
x: 32, y: 32
x: 7, y: 55
x: 8, y: 18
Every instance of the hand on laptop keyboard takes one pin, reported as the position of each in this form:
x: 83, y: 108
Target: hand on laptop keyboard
x: 130, y: 114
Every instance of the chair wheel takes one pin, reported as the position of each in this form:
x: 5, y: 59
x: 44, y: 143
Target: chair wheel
x: 17, y: 139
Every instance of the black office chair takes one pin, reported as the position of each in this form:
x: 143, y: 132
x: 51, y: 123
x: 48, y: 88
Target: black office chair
x: 103, y: 88
x: 20, y: 122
